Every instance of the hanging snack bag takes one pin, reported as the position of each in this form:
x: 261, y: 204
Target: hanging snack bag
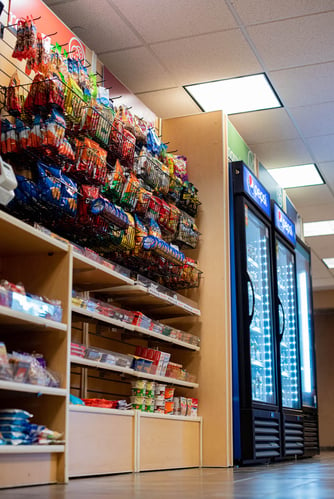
x: 54, y: 131
x: 153, y: 209
x: 49, y: 183
x: 23, y: 133
x: 180, y: 167
x: 153, y: 142
x: 115, y: 182
x: 36, y: 133
x: 144, y: 197
x: 154, y: 229
x: 128, y: 148
x: 164, y: 214
x: 173, y: 220
x: 13, y: 100
x: 128, y: 240
x: 130, y: 192
x: 141, y: 232
x: 116, y: 137
x: 69, y: 195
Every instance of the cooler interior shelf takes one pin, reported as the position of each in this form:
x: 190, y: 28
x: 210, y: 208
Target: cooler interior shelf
x: 10, y: 317
x: 131, y: 372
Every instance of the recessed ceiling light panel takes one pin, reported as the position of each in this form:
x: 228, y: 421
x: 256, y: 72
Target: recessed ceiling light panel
x: 322, y: 228
x: 329, y: 262
x: 235, y: 95
x: 297, y: 176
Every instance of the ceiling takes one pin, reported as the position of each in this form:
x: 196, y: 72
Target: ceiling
x: 156, y: 46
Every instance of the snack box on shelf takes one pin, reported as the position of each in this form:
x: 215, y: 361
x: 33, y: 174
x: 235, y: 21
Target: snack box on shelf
x: 142, y: 365
x: 78, y: 350
x: 106, y: 404
x: 35, y: 306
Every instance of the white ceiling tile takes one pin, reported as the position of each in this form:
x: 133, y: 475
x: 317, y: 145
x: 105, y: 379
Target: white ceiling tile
x: 258, y: 11
x: 295, y: 42
x: 158, y: 20
x: 322, y: 147
x: 314, y: 120
x: 281, y: 153
x: 101, y: 29
x: 323, y: 246
x: 309, y: 200
x: 264, y: 126
x: 208, y: 57
x: 327, y: 171
x: 170, y: 103
x: 304, y: 86
x: 138, y: 69
x: 315, y: 212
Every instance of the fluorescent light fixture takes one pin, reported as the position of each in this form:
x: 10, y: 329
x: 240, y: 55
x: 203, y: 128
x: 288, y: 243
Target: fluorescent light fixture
x: 329, y: 262
x: 297, y: 176
x: 235, y: 95
x: 323, y: 228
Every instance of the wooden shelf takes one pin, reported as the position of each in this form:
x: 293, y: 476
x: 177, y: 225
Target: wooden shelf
x: 131, y: 327
x: 9, y: 317
x: 88, y: 274
x: 168, y: 339
x: 31, y: 449
x: 22, y: 239
x: 100, y: 410
x: 102, y: 318
x: 103, y: 365
x: 159, y: 304
x: 28, y: 388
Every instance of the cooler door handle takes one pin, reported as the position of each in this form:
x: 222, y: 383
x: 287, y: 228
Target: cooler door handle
x: 250, y: 317
x: 281, y: 333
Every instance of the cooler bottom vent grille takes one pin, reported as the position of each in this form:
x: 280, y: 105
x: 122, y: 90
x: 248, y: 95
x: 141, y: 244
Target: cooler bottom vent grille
x: 311, y: 435
x: 267, y: 438
x: 294, y: 438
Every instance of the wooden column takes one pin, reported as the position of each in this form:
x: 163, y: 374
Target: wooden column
x: 202, y: 139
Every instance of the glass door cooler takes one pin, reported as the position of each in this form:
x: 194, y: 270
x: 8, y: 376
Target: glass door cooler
x: 255, y: 400
x: 307, y: 350
x: 287, y: 326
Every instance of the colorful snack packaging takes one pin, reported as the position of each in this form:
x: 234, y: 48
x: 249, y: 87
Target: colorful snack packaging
x: 154, y: 229
x: 153, y: 209
x: 183, y: 406
x: 189, y: 405
x: 115, y: 182
x: 128, y: 148
x: 13, y: 100
x: 143, y: 201
x: 130, y: 192
x: 141, y: 232
x: 180, y: 167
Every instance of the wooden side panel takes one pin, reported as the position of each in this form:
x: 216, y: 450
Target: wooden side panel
x: 100, y: 443
x: 28, y: 469
x: 203, y: 140
x: 168, y: 444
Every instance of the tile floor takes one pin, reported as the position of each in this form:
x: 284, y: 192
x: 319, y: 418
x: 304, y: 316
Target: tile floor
x: 306, y: 479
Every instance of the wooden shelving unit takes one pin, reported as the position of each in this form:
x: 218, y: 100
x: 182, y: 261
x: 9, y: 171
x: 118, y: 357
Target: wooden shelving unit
x: 123, y: 439
x: 43, y: 264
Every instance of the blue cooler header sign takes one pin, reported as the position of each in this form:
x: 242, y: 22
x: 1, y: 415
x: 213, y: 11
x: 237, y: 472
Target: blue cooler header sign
x: 284, y: 225
x: 256, y: 191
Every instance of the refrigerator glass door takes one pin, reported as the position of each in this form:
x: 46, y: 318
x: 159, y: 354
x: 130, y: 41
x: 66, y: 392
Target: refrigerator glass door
x: 307, y: 367
x: 260, y: 315
x: 288, y: 326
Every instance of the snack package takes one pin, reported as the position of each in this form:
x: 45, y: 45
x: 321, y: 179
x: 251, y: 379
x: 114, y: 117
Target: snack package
x: 13, y: 100
x: 26, y: 40
x: 128, y: 148
x: 130, y: 192
x: 6, y: 373
x: 194, y: 408
x: 115, y: 182
x: 143, y: 201
x: 183, y: 406
x: 180, y: 167
x: 153, y: 209
x: 154, y: 229
x: 189, y: 405
x: 141, y: 232
x: 49, y: 183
